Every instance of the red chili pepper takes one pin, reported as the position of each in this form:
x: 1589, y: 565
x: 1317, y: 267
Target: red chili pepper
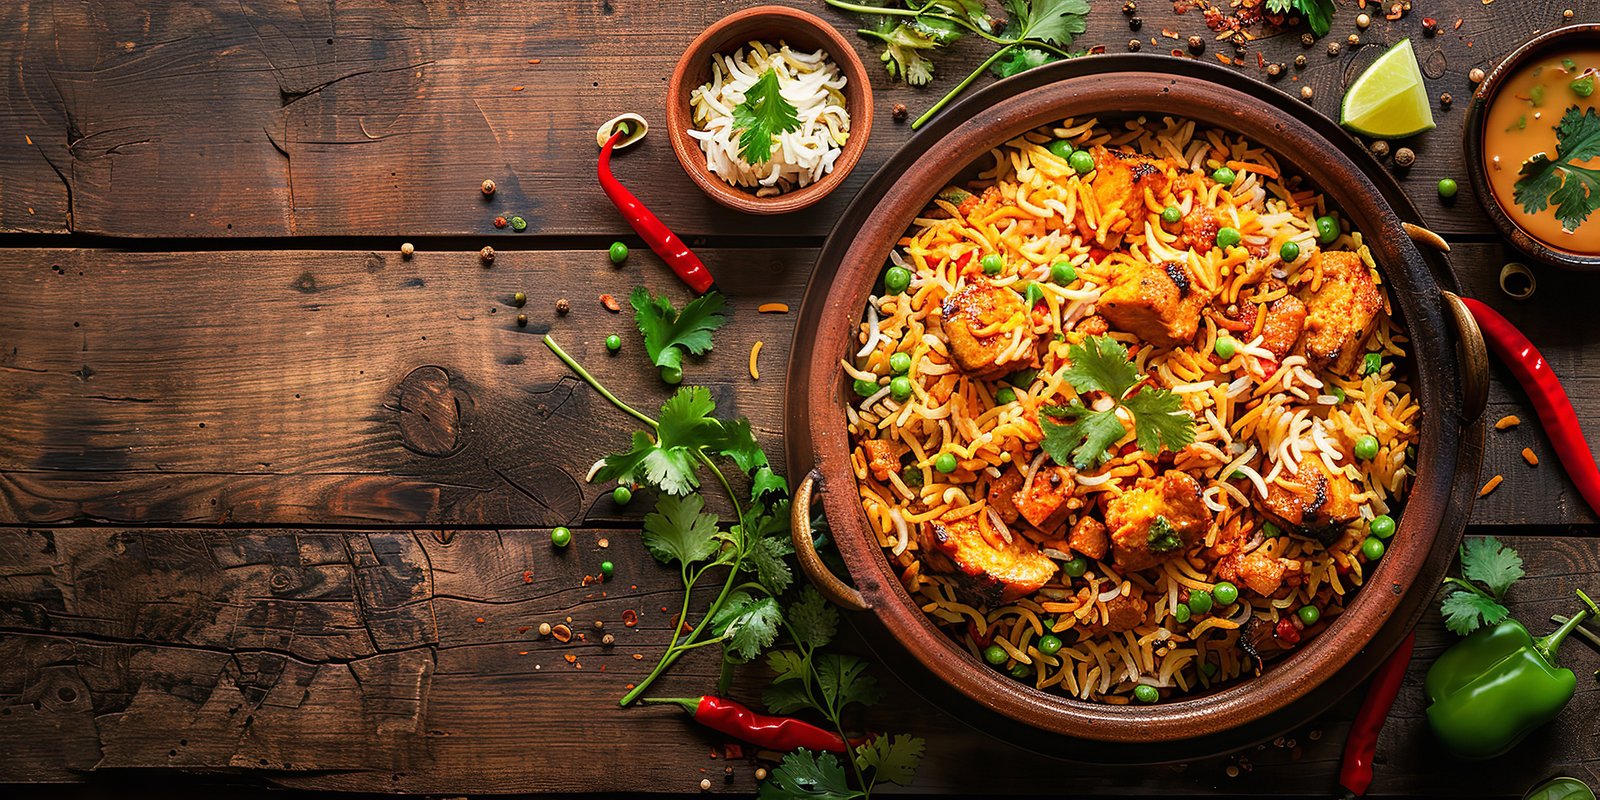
x: 1287, y: 632
x: 772, y: 733
x: 1355, y: 773
x: 683, y: 262
x: 1545, y: 393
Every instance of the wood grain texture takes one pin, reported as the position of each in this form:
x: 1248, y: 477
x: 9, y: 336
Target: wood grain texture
x: 268, y: 653
x: 267, y: 118
x: 343, y: 387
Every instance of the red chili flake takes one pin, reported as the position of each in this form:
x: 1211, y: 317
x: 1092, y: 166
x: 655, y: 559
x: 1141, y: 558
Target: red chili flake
x: 638, y: 656
x: 663, y: 609
x: 522, y: 629
x: 571, y: 659
x: 499, y: 222
x: 522, y: 652
x: 1457, y: 26
x: 1261, y: 61
x: 479, y: 620
x: 610, y: 303
x: 1097, y: 50
x: 518, y: 88
x: 562, y: 633
x: 527, y: 576
x: 533, y: 61
x: 630, y: 617
x: 732, y: 750
x: 1287, y: 631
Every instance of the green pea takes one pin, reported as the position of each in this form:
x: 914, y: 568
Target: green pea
x: 1060, y: 148
x: 1338, y: 394
x: 1171, y: 215
x: 900, y: 388
x: 1224, y: 176
x: 1228, y: 237
x: 1447, y: 188
x: 1005, y: 396
x: 519, y: 224
x: 1226, y: 594
x: 1381, y: 526
x: 622, y: 495
x: 1200, y: 601
x: 1289, y: 252
x: 992, y: 264
x: 672, y: 375
x: 618, y: 253
x: 1062, y: 273
x: 1271, y: 531
x: 897, y: 280
x: 865, y: 388
x: 1182, y: 614
x: 946, y: 463
x: 1021, y: 671
x: 1209, y: 669
x: 1367, y: 448
x: 560, y: 537
x: 613, y: 343
x: 1145, y: 693
x: 1309, y: 614
x: 1327, y: 229
x: 911, y: 476
x: 1226, y: 347
x: 1049, y: 644
x: 1075, y: 566
x: 1372, y: 364
x: 1373, y: 547
x: 900, y: 363
x: 995, y: 654
x: 1081, y: 162
x: 1032, y: 294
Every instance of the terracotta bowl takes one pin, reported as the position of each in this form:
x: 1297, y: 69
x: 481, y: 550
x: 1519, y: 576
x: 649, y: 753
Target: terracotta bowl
x: 1450, y: 386
x: 1472, y: 141
x: 801, y: 31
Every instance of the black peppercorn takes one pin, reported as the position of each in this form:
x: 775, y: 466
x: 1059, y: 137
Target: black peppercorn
x: 1445, y: 100
x: 1135, y: 23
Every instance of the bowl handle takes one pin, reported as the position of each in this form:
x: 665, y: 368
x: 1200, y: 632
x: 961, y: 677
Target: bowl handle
x: 1475, y: 377
x: 833, y: 589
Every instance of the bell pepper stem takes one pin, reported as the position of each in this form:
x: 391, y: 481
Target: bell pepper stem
x: 689, y: 704
x: 1548, y: 645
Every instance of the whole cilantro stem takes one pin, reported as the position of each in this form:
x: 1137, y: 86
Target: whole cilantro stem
x: 960, y: 87
x: 590, y: 379
x: 1470, y: 586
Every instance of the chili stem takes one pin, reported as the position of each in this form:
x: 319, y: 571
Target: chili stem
x: 961, y: 87
x: 590, y: 379
x: 1593, y: 637
x: 1548, y: 645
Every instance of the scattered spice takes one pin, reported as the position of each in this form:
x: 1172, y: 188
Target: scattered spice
x: 761, y: 773
x: 1353, y: 39
x: 487, y: 187
x: 407, y: 249
x: 544, y: 629
x: 1476, y: 75
x: 1379, y: 149
x: 571, y: 658
x: 1333, y: 49
x: 519, y: 299
x: 1274, y: 70
x: 500, y: 222
x: 1567, y: 14
x: 1529, y: 456
x: 610, y: 303
x: 1133, y: 45
x: 1507, y: 421
x: 533, y: 61
x: 1404, y: 157
x: 562, y: 633
x: 527, y: 576
x: 755, y: 350
x: 599, y: 624
x: 773, y: 308
x: 563, y: 306
x: 1307, y: 40
x: 603, y: 543
x: 608, y: 640
x: 1197, y: 45
x: 630, y: 618
x: 1300, y: 61
x: 518, y: 224
x: 518, y: 88
x: 486, y: 255
x: 1430, y: 26
x: 1362, y: 21
x: 1135, y: 23
x: 1491, y: 485
x: 705, y: 784
x: 1306, y: 93
x: 480, y: 620
x: 900, y: 112
x: 522, y: 320
x: 1445, y: 100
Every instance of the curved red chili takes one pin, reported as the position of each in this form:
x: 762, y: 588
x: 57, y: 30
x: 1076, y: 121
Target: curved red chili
x: 1549, y: 400
x: 772, y: 733
x: 1355, y: 773
x: 683, y: 262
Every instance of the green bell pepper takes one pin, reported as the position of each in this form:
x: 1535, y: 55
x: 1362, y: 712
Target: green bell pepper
x: 1493, y: 688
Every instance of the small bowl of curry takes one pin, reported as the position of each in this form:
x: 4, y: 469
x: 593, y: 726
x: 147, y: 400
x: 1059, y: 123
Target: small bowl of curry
x: 1532, y: 141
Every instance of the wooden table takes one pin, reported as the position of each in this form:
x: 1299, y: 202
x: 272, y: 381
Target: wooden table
x: 278, y: 507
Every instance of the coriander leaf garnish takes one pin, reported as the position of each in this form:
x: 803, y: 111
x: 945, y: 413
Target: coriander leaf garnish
x: 1468, y: 607
x: 895, y: 758
x: 1465, y: 612
x: 811, y: 620
x: 1574, y: 190
x: 669, y: 332
x: 1053, y: 21
x: 903, y: 46
x: 805, y: 774
x: 669, y: 462
x: 753, y: 628
x: 1101, y: 364
x: 678, y: 530
x: 762, y: 116
x: 1318, y: 14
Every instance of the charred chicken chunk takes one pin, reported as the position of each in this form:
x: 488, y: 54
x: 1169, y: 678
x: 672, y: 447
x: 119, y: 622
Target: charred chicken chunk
x: 1001, y: 492
x: 1158, y: 302
x: 1157, y: 519
x: 1050, y: 499
x: 1259, y: 573
x: 1285, y: 319
x: 982, y: 324
x: 1088, y: 537
x: 1125, y: 613
x: 992, y: 571
x: 883, y: 457
x: 1317, y: 505
x: 1341, y: 313
x: 1120, y: 181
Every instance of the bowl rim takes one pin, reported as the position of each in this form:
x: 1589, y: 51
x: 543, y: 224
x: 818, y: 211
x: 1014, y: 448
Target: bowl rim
x: 719, y: 37
x: 815, y: 404
x: 1472, y: 133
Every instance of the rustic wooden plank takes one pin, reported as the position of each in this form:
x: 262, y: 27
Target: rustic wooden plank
x: 295, y: 388
x: 271, y: 118
x: 283, y: 388
x: 267, y: 653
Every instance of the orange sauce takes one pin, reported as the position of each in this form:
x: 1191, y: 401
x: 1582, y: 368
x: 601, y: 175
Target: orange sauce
x: 1521, y: 123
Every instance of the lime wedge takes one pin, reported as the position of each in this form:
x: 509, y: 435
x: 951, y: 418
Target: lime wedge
x: 1389, y: 100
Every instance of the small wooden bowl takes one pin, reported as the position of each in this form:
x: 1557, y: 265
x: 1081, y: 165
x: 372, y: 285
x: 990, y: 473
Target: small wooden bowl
x: 801, y: 31
x: 1472, y: 143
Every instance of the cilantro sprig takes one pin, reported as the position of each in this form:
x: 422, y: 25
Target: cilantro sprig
x: 669, y: 333
x: 1469, y: 607
x: 1574, y: 190
x: 1084, y: 439
x: 1318, y: 14
x: 761, y: 117
x: 1035, y: 32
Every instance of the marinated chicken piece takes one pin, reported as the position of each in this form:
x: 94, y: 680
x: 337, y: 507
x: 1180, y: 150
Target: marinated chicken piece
x: 1319, y: 507
x: 1160, y: 303
x: 1000, y: 494
x: 1157, y: 519
x: 1125, y: 613
x: 1092, y: 325
x: 1260, y: 573
x: 1285, y: 319
x: 1088, y: 537
x: 1050, y: 499
x: 980, y: 324
x: 1200, y: 228
x: 1120, y: 181
x: 1341, y: 314
x: 883, y: 456
x: 993, y: 572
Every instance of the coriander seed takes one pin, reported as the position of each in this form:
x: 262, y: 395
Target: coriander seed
x: 1307, y: 40
x: 488, y: 188
x: 1362, y: 21
x: 608, y: 640
x: 407, y: 249
x: 1333, y: 49
x: 1197, y: 45
x: 1274, y: 70
x: 1404, y: 157
x: 1567, y: 14
x: 1306, y: 92
x: 1353, y: 39
x: 1134, y: 45
x: 486, y: 255
x: 1300, y: 61
x: 544, y: 629
x: 1379, y: 148
x: 563, y: 306
x: 900, y: 112
x: 1445, y: 100
x: 1476, y: 75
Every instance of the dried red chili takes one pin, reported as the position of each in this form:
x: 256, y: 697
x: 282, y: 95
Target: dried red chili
x: 677, y: 255
x: 1545, y: 393
x: 772, y: 733
x: 1287, y: 632
x: 1355, y: 772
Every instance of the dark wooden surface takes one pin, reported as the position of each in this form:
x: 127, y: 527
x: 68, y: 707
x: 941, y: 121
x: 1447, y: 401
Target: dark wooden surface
x: 276, y: 510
